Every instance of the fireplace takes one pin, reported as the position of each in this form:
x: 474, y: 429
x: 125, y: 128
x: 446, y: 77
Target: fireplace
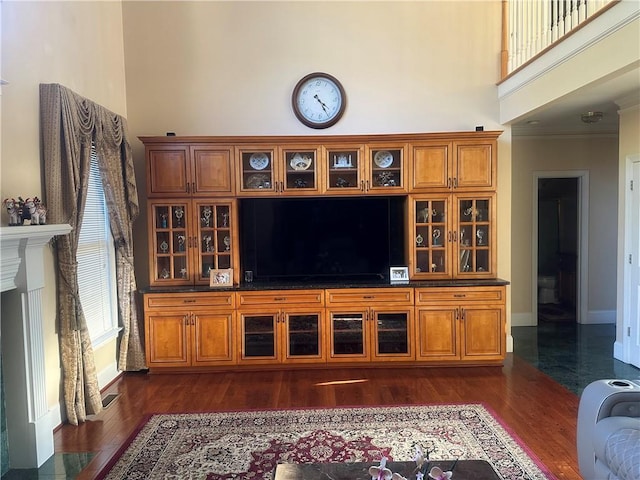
x: 29, y: 424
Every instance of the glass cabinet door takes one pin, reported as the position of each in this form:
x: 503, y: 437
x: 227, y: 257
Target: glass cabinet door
x: 301, y: 172
x: 476, y: 235
x: 259, y: 336
x: 303, y: 336
x: 386, y: 169
x: 214, y: 238
x: 257, y: 170
x: 431, y: 237
x: 344, y: 170
x: 169, y: 252
x: 348, y: 335
x: 392, y: 335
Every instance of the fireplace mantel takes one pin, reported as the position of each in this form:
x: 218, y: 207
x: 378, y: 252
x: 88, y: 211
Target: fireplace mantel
x: 29, y: 424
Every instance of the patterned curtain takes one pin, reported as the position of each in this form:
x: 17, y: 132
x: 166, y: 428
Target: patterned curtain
x: 70, y: 124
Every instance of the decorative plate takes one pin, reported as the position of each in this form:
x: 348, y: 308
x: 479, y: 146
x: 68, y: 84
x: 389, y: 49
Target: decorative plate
x: 258, y: 180
x: 383, y: 158
x: 259, y: 161
x: 300, y: 162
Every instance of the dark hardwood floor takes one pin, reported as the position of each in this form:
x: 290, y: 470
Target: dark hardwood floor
x: 541, y: 412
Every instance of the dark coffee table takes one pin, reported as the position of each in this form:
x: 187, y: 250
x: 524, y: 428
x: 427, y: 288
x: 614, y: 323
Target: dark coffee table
x: 464, y: 469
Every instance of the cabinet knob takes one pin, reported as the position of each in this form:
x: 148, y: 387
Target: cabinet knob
x: 455, y: 182
x: 368, y: 297
x: 190, y: 300
x: 463, y: 314
x: 367, y: 186
x: 459, y: 295
x: 280, y: 299
x: 449, y: 182
x: 362, y: 185
x: 185, y: 319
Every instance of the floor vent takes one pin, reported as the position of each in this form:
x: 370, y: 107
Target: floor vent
x: 108, y: 399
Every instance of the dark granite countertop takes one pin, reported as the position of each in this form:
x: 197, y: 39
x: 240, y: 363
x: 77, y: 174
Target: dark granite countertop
x: 315, y: 284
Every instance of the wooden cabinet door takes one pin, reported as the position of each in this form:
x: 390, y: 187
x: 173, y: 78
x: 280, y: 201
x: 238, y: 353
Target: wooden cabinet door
x: 303, y: 332
x: 483, y: 335
x: 430, y: 243
x: 437, y: 333
x: 348, y: 335
x: 168, y: 171
x: 167, y: 339
x: 259, y: 341
x: 475, y: 233
x: 386, y: 168
x: 392, y: 334
x: 213, y: 171
x: 257, y: 173
x: 431, y: 167
x: 213, y: 338
x: 170, y: 237
x: 475, y: 165
x: 344, y: 169
x: 299, y: 170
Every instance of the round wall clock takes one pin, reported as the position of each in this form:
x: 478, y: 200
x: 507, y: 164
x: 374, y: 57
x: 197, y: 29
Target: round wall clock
x: 318, y: 100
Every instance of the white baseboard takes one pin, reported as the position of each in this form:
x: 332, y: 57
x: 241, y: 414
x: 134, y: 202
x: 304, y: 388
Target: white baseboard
x: 600, y: 316
x: 108, y: 375
x: 618, y: 351
x: 509, y: 343
x: 523, y: 320
x: 105, y: 377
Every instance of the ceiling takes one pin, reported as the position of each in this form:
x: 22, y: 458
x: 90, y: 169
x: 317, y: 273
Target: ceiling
x: 563, y: 116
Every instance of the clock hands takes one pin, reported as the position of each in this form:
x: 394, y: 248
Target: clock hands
x: 324, y: 107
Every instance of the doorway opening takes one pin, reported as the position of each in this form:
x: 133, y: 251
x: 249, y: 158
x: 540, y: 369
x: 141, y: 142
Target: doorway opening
x: 559, y: 254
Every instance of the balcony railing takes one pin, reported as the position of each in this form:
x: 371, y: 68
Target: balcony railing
x: 532, y: 26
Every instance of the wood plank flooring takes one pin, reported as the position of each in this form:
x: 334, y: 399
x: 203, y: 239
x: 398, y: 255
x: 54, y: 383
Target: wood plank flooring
x: 541, y: 412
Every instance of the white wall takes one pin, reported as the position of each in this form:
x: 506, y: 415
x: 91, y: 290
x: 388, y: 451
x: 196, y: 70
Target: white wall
x: 76, y: 44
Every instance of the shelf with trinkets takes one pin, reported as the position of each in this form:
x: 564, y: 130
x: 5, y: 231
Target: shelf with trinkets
x: 189, y: 239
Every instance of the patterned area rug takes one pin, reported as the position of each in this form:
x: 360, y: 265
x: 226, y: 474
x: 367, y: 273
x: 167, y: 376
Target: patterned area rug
x: 248, y: 445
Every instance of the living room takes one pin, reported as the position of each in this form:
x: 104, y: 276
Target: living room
x: 228, y: 68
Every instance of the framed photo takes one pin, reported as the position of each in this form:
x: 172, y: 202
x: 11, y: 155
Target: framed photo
x: 221, y: 278
x: 399, y: 274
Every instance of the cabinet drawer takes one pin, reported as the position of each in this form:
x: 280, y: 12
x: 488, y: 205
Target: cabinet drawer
x: 350, y: 296
x: 436, y: 295
x: 181, y: 300
x: 309, y: 298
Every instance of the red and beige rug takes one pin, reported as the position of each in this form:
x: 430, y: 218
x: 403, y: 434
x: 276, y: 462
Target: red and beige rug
x: 247, y: 445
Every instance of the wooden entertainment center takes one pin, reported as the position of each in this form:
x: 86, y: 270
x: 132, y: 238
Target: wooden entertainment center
x: 452, y: 311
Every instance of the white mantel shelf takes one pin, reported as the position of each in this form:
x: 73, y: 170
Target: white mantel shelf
x: 29, y: 423
x: 15, y: 240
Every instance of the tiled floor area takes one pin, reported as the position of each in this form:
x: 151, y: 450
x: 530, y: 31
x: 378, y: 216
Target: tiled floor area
x: 573, y: 355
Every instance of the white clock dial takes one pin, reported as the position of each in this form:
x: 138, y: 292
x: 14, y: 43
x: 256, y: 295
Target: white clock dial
x: 318, y: 100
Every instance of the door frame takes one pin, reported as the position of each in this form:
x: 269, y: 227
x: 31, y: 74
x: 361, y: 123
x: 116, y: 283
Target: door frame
x: 582, y: 264
x: 625, y: 251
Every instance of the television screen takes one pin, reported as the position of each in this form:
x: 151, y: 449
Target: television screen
x: 345, y: 238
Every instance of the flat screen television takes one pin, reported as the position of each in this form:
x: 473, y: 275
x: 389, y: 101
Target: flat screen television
x: 324, y: 239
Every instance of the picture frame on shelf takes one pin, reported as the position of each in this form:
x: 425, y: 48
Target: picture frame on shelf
x: 221, y: 277
x: 399, y: 275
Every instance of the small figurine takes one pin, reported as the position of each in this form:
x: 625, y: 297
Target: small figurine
x: 206, y: 216
x: 179, y: 213
x: 13, y: 209
x: 181, y: 241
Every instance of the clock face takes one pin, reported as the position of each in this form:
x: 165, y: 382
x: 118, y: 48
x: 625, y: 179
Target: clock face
x: 318, y: 100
